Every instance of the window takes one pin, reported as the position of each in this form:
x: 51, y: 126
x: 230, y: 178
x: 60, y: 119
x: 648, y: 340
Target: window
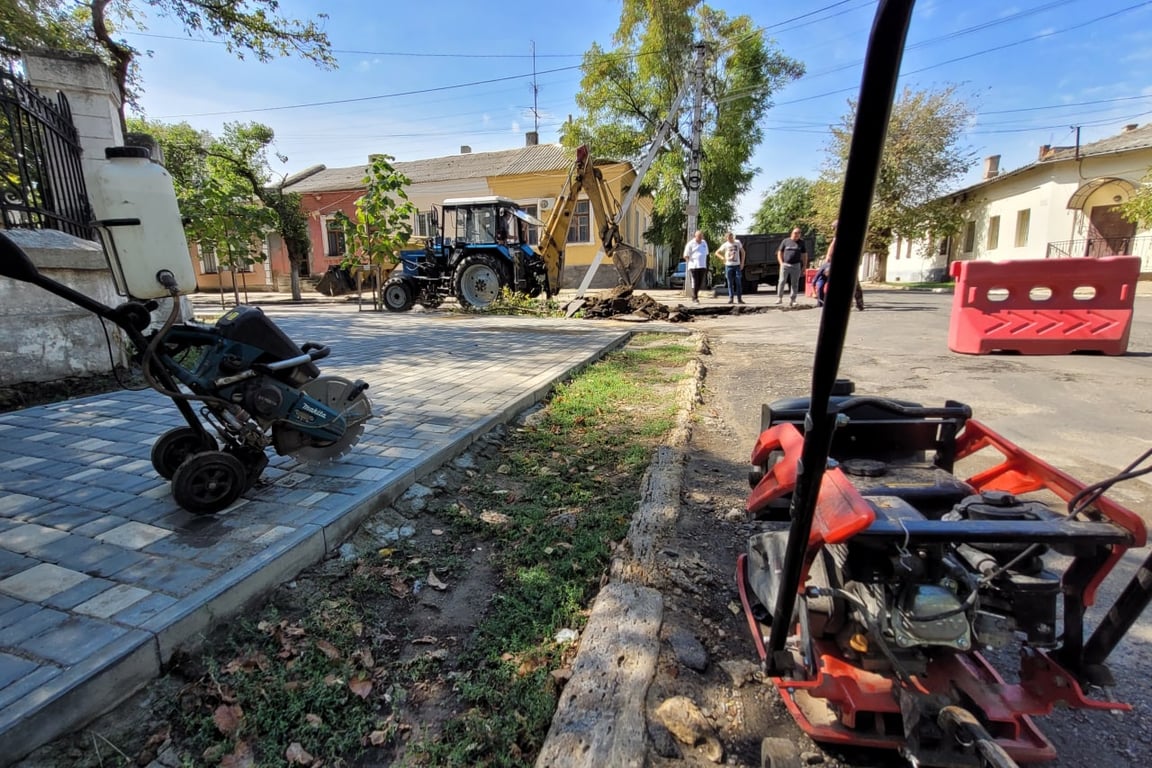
x: 208, y: 265
x: 336, y: 246
x: 969, y: 237
x: 944, y: 243
x: 533, y: 230
x: 993, y: 232
x: 579, y: 229
x: 424, y: 225
x: 1023, y: 218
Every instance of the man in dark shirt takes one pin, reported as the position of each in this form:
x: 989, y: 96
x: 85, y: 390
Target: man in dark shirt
x: 793, y: 259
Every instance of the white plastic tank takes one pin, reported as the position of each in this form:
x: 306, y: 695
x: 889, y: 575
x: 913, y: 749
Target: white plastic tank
x: 131, y: 186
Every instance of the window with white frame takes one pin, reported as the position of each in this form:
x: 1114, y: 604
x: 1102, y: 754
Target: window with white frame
x: 969, y: 237
x: 208, y: 265
x: 424, y: 225
x: 334, y: 242
x: 993, y: 233
x: 532, y: 209
x: 580, y: 228
x: 1023, y: 219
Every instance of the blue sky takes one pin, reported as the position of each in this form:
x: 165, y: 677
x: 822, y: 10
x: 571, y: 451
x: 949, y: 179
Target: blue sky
x: 1032, y: 70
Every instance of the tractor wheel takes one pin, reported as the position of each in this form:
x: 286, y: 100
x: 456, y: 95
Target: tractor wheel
x: 396, y: 295
x: 175, y: 446
x: 779, y: 753
x: 478, y: 280
x: 209, y: 482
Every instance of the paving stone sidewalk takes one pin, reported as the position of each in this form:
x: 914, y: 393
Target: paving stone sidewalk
x: 103, y: 577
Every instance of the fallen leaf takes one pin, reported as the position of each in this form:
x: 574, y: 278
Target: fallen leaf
x: 364, y: 656
x: 361, y: 686
x: 399, y: 588
x: 548, y: 550
x: 331, y: 680
x: 494, y: 518
x: 227, y: 718
x: 437, y: 532
x: 328, y: 649
x: 378, y: 738
x: 314, y: 720
x: 435, y: 583
x: 296, y: 754
x: 385, y: 552
x: 241, y: 757
x: 426, y: 640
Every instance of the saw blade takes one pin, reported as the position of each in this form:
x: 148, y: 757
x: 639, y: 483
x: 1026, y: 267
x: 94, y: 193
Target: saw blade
x: 333, y: 391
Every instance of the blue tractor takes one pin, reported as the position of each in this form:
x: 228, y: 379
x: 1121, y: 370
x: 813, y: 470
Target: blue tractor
x: 480, y: 247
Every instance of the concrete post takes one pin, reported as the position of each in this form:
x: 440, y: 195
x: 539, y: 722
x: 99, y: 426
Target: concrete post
x: 92, y: 94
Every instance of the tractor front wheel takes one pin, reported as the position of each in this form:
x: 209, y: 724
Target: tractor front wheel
x: 478, y: 280
x: 397, y: 295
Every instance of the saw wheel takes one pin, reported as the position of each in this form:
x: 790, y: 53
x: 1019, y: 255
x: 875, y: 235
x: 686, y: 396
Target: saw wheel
x: 333, y: 392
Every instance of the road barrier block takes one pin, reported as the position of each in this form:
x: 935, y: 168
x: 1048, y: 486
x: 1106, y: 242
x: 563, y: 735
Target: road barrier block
x: 1043, y: 306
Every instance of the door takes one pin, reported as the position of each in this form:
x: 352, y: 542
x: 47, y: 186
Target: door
x: 1109, y: 233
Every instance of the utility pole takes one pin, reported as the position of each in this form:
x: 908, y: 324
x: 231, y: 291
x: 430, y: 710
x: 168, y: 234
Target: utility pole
x: 695, y: 180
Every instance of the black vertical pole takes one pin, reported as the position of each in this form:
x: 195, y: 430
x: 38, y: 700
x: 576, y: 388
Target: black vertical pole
x: 877, y: 89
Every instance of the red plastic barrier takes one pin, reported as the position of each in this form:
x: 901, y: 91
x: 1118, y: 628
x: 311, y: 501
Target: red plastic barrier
x: 1043, y: 306
x: 810, y: 283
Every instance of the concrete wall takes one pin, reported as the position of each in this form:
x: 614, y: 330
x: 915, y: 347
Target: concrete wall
x: 45, y: 338
x: 42, y: 337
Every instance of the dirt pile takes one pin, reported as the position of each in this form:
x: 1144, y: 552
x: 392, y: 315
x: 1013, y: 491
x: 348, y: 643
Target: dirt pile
x: 622, y: 303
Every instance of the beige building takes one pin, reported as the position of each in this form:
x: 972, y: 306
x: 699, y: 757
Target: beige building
x: 1062, y: 205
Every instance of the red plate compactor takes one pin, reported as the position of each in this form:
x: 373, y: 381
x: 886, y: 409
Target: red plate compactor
x: 876, y: 610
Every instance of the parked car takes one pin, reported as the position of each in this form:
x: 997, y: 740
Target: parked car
x: 676, y: 279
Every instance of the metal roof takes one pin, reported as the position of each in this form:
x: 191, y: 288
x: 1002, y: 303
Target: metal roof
x: 539, y: 158
x: 1126, y: 141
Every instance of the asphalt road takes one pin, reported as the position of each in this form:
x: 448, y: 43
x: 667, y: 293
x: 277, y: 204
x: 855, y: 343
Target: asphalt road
x: 1089, y: 415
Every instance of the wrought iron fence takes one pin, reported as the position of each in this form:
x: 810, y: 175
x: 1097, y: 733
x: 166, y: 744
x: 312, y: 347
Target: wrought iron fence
x: 41, y: 180
x: 1095, y: 247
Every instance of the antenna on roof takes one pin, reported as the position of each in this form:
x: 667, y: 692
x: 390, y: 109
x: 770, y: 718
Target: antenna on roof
x: 535, y: 92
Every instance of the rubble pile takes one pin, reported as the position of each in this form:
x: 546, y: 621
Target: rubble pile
x: 622, y: 303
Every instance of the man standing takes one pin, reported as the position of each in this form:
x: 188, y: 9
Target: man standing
x: 732, y: 251
x: 695, y: 260
x: 793, y: 258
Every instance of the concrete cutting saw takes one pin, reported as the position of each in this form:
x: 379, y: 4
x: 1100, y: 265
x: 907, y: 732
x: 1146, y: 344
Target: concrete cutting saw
x: 256, y: 388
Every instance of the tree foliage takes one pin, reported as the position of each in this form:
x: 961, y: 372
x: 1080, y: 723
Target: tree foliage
x: 383, y: 223
x: 627, y: 91
x: 1138, y: 208
x: 246, y: 27
x: 924, y: 157
x: 789, y: 203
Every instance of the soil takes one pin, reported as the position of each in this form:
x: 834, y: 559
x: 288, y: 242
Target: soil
x: 13, y: 397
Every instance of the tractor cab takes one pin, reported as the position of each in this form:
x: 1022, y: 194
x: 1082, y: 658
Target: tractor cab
x: 485, y: 221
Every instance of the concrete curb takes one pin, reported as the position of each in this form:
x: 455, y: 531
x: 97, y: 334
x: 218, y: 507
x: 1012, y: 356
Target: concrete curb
x: 600, y: 720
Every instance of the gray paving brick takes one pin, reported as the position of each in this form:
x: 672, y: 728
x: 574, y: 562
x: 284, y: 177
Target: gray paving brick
x: 72, y: 640
x: 28, y: 537
x: 60, y: 549
x: 70, y: 598
x: 14, y: 615
x: 104, y: 522
x: 66, y: 518
x: 106, y: 560
x: 32, y: 625
x: 173, y: 577
x: 16, y: 502
x: 34, y: 680
x: 12, y: 668
x: 138, y: 613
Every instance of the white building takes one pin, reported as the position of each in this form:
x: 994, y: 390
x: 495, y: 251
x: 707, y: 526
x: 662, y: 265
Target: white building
x: 1064, y: 204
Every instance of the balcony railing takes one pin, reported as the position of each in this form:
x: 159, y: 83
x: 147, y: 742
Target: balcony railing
x: 1094, y: 248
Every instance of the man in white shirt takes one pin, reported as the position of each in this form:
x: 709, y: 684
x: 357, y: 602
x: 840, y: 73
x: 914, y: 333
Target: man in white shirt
x: 732, y: 252
x: 695, y: 260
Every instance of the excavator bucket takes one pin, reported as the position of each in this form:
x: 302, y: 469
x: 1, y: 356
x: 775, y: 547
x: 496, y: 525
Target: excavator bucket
x: 630, y: 264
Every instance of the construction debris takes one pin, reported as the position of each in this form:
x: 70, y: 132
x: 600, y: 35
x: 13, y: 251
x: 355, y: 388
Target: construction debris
x: 621, y: 303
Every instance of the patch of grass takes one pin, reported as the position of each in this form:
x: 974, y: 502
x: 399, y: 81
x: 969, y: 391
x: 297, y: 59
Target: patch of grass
x: 510, y: 302
x: 578, y: 469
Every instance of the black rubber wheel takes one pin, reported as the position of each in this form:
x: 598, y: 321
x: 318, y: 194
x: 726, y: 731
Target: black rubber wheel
x: 209, y: 482
x: 779, y: 753
x: 397, y: 296
x: 478, y: 280
x: 175, y: 446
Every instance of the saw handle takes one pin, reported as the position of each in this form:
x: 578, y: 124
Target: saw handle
x: 316, y: 351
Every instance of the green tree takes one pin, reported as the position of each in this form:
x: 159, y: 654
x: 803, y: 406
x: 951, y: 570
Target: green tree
x: 383, y: 223
x: 241, y: 152
x: 246, y: 27
x: 1138, y: 208
x: 626, y: 92
x: 789, y: 203
x: 924, y: 157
